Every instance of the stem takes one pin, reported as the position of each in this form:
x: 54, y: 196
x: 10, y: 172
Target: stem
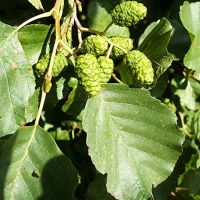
x: 183, y: 126
x: 83, y: 29
x: 43, y: 97
x: 79, y: 38
x: 43, y: 15
x: 49, y: 72
x: 107, y: 27
x: 57, y: 11
x: 58, y: 32
x: 115, y: 77
x: 109, y: 51
x: 74, y: 18
x: 115, y: 45
x: 71, y: 23
x: 66, y: 47
x: 195, y: 79
x: 47, y: 80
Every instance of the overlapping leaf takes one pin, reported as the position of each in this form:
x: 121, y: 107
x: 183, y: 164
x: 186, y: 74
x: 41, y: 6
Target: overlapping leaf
x: 190, y: 14
x: 154, y: 44
x: 132, y: 138
x: 32, y: 167
x: 16, y: 81
x: 99, y: 18
x: 33, y: 39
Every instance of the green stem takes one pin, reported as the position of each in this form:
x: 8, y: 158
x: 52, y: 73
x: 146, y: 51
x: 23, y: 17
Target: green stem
x: 118, y: 80
x: 84, y: 29
x: 109, y: 51
x: 79, y: 38
x: 66, y: 47
x: 47, y: 79
x: 115, y: 45
x: 183, y: 126
x: 71, y: 23
x: 49, y: 72
x: 43, y: 15
x: 107, y: 27
x: 42, y: 100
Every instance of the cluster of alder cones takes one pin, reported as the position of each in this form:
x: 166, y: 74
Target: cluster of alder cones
x: 95, y: 65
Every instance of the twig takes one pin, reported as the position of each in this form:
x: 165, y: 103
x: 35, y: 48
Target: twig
x: 194, y: 78
x: 71, y: 22
x: 43, y: 15
x: 84, y: 29
x: 42, y: 100
x: 79, y: 38
x: 67, y: 48
x: 58, y: 32
x: 47, y: 79
x: 49, y: 72
x: 115, y: 77
x: 183, y: 126
x: 109, y: 51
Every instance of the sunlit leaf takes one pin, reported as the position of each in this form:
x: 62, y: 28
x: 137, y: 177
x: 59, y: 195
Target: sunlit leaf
x: 17, y: 82
x: 189, y: 15
x: 132, y: 138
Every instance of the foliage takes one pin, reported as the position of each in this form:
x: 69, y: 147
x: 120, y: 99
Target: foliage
x: 93, y: 109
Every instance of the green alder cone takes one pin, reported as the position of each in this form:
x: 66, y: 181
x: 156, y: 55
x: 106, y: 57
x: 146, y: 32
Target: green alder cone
x: 140, y: 67
x: 124, y: 43
x: 89, y: 74
x: 60, y: 62
x: 106, y: 66
x: 128, y: 13
x: 95, y: 44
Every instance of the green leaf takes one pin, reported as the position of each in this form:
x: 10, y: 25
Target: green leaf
x: 60, y: 134
x: 190, y: 15
x: 109, y: 4
x: 191, y: 182
x: 147, y: 31
x: 37, y: 4
x: 132, y: 138
x: 33, y: 39
x: 76, y: 101
x: 187, y: 97
x: 160, y: 87
x: 99, y: 18
x: 17, y: 82
x: 195, y: 83
x: 32, y: 167
x: 33, y: 105
x: 153, y: 44
x: 195, y: 124
x: 58, y: 91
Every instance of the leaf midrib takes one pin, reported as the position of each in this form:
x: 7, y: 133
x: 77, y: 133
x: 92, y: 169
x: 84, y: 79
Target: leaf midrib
x: 125, y: 146
x: 9, y: 92
x: 22, y: 160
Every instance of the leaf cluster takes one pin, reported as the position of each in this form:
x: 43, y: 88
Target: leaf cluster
x: 125, y: 142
